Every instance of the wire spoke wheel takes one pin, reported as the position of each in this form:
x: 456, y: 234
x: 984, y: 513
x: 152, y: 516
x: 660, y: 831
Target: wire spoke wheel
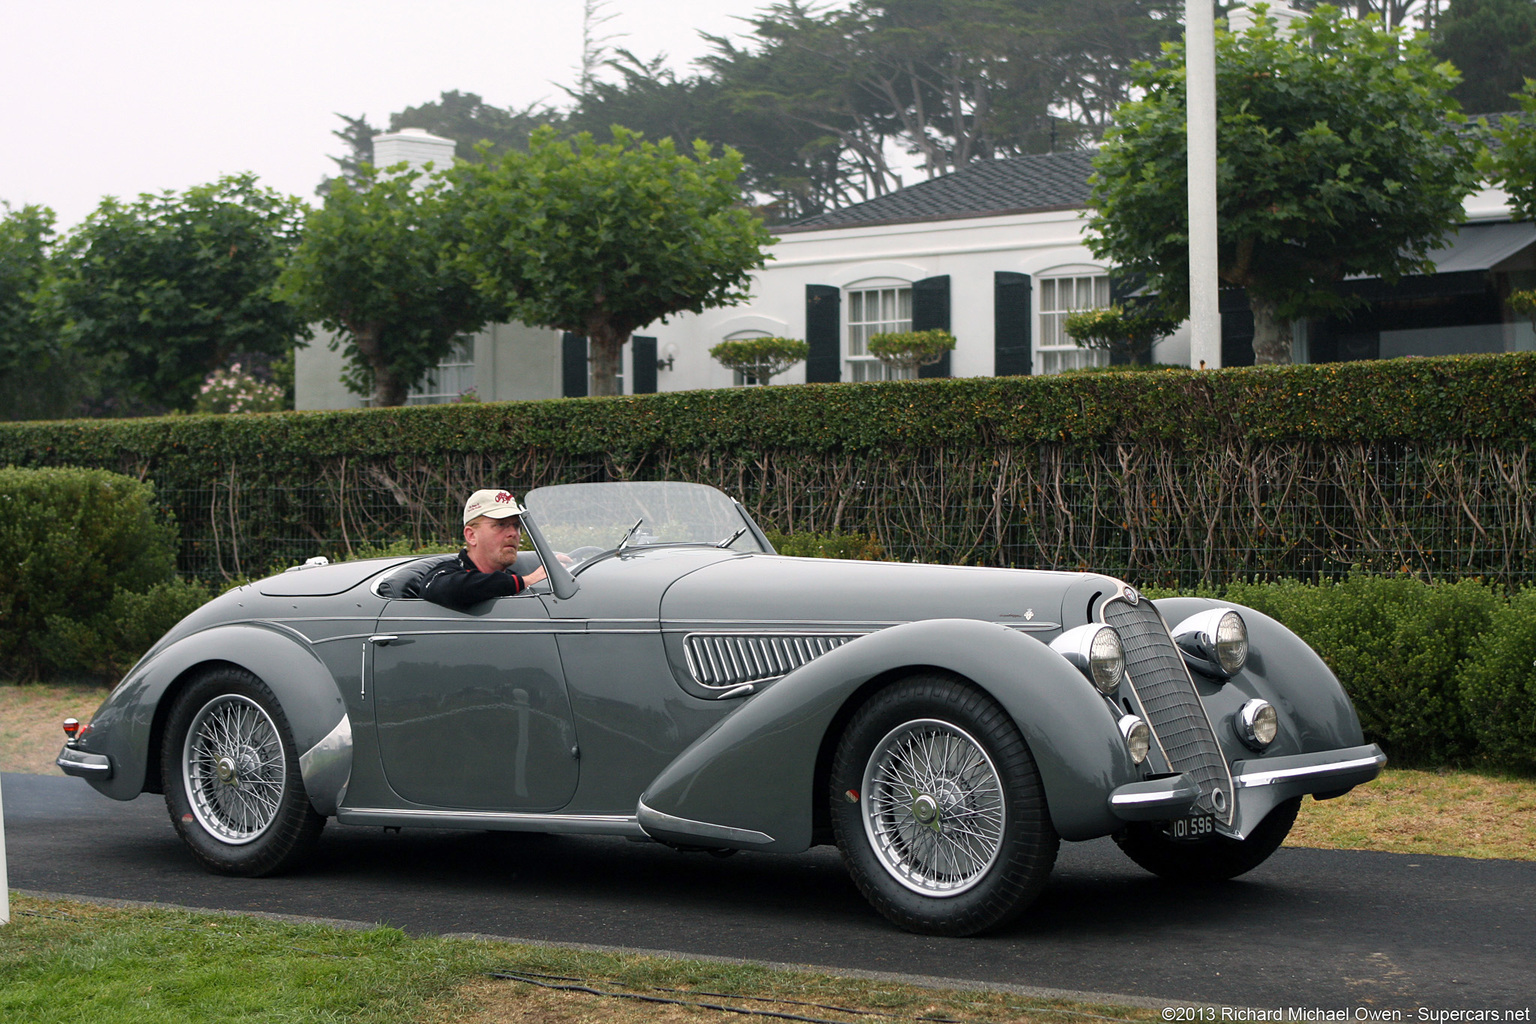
x: 233, y: 768
x: 938, y: 807
x: 933, y: 807
x: 233, y: 785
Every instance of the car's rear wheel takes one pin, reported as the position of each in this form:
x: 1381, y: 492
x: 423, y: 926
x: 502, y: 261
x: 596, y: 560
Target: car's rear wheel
x: 231, y: 774
x: 1207, y: 860
x: 938, y: 808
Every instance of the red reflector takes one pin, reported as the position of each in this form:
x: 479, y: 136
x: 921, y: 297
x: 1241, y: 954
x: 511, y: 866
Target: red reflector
x: 71, y: 727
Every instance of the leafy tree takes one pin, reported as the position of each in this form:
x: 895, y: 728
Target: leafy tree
x: 468, y: 120
x: 1493, y: 43
x: 1337, y: 154
x: 35, y: 370
x: 599, y: 239
x: 358, y: 136
x: 1511, y: 163
x: 172, y: 286
x: 377, y: 267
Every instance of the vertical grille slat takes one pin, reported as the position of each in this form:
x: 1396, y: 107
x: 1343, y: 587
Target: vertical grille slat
x: 1156, y: 673
x: 724, y: 660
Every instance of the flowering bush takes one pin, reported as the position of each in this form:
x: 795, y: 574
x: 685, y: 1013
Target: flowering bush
x: 234, y: 390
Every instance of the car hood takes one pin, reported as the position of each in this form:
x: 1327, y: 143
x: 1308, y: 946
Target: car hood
x: 780, y: 592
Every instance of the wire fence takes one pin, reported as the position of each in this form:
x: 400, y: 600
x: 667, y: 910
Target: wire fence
x: 1172, y: 515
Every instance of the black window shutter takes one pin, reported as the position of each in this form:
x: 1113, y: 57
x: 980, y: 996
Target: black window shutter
x: 823, y: 334
x: 1012, y: 295
x: 930, y: 312
x: 643, y: 357
x: 573, y: 365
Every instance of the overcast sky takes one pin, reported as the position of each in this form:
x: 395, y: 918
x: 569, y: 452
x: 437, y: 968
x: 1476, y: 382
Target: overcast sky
x: 114, y: 98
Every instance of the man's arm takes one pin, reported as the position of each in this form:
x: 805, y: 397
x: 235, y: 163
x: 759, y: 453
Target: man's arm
x: 453, y: 586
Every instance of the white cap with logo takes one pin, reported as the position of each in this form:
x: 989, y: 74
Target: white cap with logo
x: 493, y: 502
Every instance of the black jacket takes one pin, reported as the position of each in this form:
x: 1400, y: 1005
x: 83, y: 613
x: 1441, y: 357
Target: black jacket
x: 459, y: 585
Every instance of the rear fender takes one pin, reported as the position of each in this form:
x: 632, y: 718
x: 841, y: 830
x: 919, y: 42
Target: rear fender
x: 127, y: 727
x: 750, y: 781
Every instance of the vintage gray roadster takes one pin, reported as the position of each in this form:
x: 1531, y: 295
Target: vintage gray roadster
x: 680, y: 682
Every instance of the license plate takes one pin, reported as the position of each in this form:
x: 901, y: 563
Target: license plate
x: 1194, y: 827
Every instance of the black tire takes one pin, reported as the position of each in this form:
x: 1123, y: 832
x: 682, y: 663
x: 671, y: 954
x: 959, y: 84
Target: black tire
x: 928, y: 752
x: 1207, y: 860
x: 231, y: 774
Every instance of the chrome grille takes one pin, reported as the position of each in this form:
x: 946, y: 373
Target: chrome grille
x: 1157, y: 674
x: 730, y: 659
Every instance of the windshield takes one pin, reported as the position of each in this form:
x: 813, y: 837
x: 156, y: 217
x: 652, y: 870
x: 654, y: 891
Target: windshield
x: 576, y: 518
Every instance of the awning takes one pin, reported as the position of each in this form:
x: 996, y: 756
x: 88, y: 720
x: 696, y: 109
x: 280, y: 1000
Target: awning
x: 1483, y: 246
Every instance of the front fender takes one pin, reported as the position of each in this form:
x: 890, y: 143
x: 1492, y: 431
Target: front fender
x: 125, y: 726
x: 750, y: 781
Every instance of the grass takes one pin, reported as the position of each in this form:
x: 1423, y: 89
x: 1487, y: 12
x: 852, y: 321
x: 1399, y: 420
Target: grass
x: 65, y: 961
x: 30, y: 718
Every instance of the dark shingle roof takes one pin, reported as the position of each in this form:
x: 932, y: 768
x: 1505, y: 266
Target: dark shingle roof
x: 1014, y: 185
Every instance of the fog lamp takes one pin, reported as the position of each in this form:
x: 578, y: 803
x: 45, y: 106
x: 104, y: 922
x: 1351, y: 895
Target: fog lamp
x: 1257, y: 723
x: 1138, y: 738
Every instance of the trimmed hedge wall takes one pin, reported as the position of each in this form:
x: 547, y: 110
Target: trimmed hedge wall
x: 1175, y: 477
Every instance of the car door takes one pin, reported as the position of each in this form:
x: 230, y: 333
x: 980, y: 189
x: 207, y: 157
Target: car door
x: 470, y: 708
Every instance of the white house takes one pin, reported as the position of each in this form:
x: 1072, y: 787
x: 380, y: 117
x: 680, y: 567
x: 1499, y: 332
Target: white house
x: 994, y: 253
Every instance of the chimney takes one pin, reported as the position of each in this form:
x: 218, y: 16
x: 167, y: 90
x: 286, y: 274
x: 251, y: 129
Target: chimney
x: 414, y: 146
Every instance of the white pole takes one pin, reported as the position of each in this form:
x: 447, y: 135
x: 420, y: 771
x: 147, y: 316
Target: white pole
x: 1200, y: 85
x: 5, y: 882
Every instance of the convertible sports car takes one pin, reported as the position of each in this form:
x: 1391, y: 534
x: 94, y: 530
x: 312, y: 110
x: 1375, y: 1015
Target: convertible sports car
x: 945, y: 726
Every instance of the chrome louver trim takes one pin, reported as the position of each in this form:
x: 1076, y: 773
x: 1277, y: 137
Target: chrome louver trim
x: 1157, y: 675
x: 720, y: 660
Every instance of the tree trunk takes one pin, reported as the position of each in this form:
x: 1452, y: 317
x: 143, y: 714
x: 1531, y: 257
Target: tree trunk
x: 388, y: 389
x: 1271, y: 335
x: 606, y: 347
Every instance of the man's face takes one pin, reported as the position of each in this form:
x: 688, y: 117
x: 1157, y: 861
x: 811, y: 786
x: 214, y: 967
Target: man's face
x: 493, y: 541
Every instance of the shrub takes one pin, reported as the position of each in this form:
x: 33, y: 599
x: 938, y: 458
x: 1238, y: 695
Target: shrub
x: 70, y: 539
x: 108, y: 642
x: 759, y: 359
x: 828, y: 545
x: 234, y: 390
x: 907, y: 350
x: 1498, y: 685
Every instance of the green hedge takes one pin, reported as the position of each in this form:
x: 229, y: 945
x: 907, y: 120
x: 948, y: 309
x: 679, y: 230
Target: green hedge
x: 1172, y: 476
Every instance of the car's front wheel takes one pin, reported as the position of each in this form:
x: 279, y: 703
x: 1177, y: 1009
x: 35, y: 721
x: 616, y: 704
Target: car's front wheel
x: 231, y: 774
x: 1215, y: 859
x: 939, y: 810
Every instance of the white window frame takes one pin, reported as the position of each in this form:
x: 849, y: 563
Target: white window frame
x: 894, y: 314
x: 450, y: 378
x: 1054, y: 350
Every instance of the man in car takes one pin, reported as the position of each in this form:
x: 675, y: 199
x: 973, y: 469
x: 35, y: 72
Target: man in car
x: 483, y: 570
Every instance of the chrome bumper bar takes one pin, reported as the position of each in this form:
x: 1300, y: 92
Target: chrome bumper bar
x: 83, y: 764
x: 1325, y: 773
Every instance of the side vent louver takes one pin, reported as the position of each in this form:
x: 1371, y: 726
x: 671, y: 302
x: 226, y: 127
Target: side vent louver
x: 730, y: 659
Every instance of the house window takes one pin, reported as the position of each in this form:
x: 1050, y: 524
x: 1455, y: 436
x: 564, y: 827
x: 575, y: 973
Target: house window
x: 1059, y: 297
x: 449, y: 379
x: 875, y: 311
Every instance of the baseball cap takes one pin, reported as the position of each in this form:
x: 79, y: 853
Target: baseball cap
x: 493, y: 502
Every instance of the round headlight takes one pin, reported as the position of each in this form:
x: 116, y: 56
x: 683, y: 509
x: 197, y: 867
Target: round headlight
x: 1106, y: 659
x: 1097, y: 653
x: 1231, y: 642
x: 1257, y: 723
x: 1214, y: 642
x: 1138, y: 738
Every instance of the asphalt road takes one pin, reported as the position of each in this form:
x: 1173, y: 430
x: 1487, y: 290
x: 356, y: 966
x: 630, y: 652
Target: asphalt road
x: 1309, y: 929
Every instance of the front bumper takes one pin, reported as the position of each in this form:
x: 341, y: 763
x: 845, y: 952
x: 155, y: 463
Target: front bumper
x: 83, y: 764
x: 1259, y: 785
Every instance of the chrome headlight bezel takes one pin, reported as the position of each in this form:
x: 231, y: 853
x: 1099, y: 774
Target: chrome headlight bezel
x: 1214, y: 642
x: 1096, y: 651
x: 1256, y: 723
